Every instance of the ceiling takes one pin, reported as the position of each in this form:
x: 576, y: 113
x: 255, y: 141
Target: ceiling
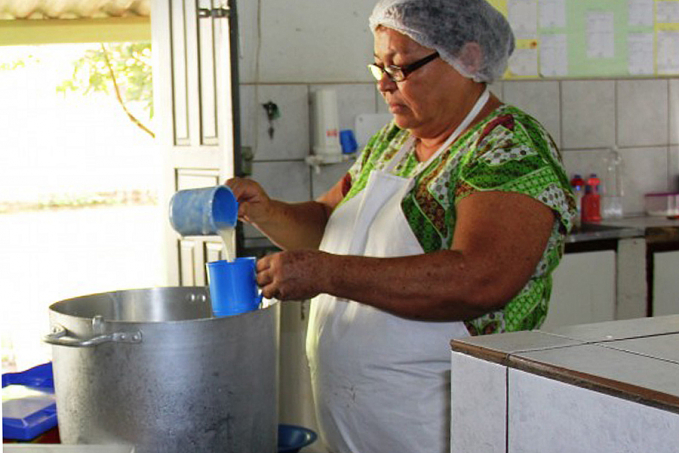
x: 73, y: 9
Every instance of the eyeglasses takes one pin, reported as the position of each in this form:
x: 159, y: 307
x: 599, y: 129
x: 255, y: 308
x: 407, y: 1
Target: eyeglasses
x: 399, y: 73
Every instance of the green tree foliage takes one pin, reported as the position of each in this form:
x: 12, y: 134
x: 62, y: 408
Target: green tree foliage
x: 121, y: 69
x: 12, y: 65
x: 20, y: 63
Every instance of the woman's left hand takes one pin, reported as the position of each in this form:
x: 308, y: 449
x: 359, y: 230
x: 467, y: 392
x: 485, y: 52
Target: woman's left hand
x: 293, y: 274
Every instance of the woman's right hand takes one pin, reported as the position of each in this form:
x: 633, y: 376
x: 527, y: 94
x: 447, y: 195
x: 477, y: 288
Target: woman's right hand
x: 288, y: 225
x: 253, y: 201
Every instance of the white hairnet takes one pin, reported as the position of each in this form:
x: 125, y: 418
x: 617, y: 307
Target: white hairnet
x: 449, y: 26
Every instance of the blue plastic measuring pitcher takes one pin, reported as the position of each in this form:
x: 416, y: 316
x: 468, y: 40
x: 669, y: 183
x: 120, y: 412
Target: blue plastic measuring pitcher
x: 203, y: 212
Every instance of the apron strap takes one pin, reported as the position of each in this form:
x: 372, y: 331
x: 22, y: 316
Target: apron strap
x: 410, y: 143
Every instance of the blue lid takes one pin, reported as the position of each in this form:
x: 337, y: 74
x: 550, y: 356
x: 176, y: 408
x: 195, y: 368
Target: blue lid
x: 29, y: 406
x: 292, y: 438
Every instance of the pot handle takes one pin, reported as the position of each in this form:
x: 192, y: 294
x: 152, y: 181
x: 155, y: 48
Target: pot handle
x: 60, y: 337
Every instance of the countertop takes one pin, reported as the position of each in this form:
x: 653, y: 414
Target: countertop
x: 642, y: 222
x: 635, y: 359
x: 653, y: 228
x: 656, y: 229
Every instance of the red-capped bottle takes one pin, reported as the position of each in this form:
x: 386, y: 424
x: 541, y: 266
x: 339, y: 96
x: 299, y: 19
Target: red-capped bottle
x: 578, y: 185
x: 591, y: 201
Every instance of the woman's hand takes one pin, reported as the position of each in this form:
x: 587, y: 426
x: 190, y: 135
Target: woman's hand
x: 293, y: 275
x: 253, y: 202
x: 288, y: 225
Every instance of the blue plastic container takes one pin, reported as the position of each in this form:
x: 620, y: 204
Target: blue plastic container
x: 201, y: 212
x: 292, y: 439
x: 29, y: 406
x: 233, y: 286
x: 348, y: 141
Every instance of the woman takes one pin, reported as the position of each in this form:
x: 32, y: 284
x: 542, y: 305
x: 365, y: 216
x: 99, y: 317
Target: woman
x: 449, y: 223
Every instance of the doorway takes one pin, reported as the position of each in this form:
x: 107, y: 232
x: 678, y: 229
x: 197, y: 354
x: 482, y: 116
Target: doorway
x: 79, y: 191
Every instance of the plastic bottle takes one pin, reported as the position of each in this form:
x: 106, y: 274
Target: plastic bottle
x: 591, y: 201
x: 611, y: 198
x: 578, y: 185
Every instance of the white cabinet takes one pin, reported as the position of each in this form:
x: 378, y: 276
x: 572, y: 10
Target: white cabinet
x: 666, y: 283
x: 546, y: 415
x: 584, y: 289
x: 605, y: 387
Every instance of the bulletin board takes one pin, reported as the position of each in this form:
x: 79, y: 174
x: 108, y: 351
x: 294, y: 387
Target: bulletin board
x: 592, y: 38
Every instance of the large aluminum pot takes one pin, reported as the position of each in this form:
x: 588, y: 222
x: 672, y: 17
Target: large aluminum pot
x: 152, y: 368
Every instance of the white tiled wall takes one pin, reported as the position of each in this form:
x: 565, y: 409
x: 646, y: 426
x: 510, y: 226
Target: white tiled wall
x: 645, y: 171
x: 646, y: 99
x: 540, y: 99
x: 305, y: 40
x: 672, y: 173
x: 328, y: 176
x: 290, y: 140
x: 674, y: 111
x: 588, y: 114
x: 585, y: 117
x: 352, y: 100
x: 288, y: 50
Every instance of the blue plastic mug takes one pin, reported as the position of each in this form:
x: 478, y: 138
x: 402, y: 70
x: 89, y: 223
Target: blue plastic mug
x: 233, y: 286
x: 203, y: 211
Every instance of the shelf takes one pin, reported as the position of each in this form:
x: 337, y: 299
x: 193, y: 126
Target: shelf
x: 318, y: 160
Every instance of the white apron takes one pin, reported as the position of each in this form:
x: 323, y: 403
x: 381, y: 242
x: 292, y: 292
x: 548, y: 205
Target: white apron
x: 380, y: 382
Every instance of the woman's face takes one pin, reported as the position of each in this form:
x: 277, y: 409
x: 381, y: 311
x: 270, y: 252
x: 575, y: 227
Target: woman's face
x: 429, y: 99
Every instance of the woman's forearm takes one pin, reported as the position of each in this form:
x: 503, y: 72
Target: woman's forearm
x: 490, y: 261
x: 435, y: 286
x: 293, y: 226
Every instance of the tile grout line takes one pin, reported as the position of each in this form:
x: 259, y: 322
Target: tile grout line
x: 506, y: 409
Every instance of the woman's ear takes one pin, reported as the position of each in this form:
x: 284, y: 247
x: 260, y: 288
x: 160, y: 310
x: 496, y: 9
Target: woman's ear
x: 471, y: 57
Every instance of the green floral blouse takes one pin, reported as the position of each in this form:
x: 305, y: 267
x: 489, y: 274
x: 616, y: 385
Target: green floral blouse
x: 509, y: 151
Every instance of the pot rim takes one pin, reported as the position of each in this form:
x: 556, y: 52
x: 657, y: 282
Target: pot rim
x: 57, y: 307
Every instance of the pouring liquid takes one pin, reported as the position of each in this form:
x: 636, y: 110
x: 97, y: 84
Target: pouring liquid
x: 228, y: 236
